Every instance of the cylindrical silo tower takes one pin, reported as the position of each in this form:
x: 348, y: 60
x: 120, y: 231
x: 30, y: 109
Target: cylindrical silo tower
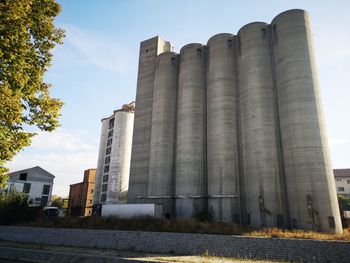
x: 161, y: 186
x: 260, y: 160
x: 191, y: 133
x: 222, y: 148
x: 309, y: 178
x: 119, y: 167
x: 100, y: 162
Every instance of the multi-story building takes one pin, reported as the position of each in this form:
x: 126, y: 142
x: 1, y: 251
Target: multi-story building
x: 235, y: 128
x: 112, y: 176
x: 35, y: 182
x: 342, y: 181
x: 81, y: 195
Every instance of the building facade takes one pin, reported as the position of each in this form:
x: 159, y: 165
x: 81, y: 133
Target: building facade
x: 81, y: 195
x: 113, y: 167
x: 342, y: 181
x: 34, y: 182
x: 235, y: 128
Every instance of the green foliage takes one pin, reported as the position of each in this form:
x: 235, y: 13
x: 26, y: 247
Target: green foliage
x: 344, y: 205
x: 57, y: 201
x: 13, y: 208
x: 27, y: 36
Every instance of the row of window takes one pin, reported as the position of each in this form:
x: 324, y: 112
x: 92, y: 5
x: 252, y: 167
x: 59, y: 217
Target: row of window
x: 339, y: 180
x: 27, y: 186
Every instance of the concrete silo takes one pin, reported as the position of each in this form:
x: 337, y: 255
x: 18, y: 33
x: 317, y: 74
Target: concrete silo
x: 100, y: 161
x: 260, y: 162
x: 309, y: 178
x: 139, y: 169
x: 113, y: 167
x: 191, y: 133
x: 222, y: 148
x: 161, y: 186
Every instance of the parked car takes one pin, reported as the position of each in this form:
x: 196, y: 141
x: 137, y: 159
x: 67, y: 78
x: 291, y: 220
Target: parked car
x: 50, y: 211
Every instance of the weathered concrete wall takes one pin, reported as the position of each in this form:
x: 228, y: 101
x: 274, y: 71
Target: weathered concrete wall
x: 185, y: 244
x: 140, y: 156
x: 250, y: 135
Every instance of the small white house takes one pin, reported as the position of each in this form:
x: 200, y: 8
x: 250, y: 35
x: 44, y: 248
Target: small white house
x: 342, y: 181
x: 35, y: 182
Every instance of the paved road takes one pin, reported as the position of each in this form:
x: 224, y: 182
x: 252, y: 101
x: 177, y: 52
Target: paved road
x: 20, y: 253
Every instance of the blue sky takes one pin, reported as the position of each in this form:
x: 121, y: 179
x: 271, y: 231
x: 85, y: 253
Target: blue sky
x: 95, y: 71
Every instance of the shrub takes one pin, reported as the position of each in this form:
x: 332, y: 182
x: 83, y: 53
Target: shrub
x: 13, y: 208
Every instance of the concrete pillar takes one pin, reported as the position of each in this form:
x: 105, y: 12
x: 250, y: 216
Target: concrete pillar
x: 139, y: 170
x: 309, y: 178
x: 191, y: 183
x: 161, y: 187
x: 223, y: 172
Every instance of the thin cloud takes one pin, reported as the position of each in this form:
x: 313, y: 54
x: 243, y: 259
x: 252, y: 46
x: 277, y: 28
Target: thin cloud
x: 62, y: 139
x: 66, y: 154
x: 93, y: 47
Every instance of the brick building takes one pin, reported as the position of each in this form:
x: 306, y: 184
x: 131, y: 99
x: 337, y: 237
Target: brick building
x: 81, y: 195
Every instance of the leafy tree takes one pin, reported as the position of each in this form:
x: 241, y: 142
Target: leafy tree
x: 344, y: 205
x: 27, y: 37
x: 57, y: 201
x: 13, y: 208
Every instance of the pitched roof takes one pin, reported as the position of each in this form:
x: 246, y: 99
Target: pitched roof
x: 341, y: 172
x: 32, y: 168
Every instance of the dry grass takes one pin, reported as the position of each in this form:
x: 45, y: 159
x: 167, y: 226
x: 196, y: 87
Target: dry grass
x: 281, y: 233
x: 180, y: 226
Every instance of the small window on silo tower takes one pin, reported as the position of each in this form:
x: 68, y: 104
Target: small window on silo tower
x: 173, y: 60
x: 229, y: 42
x: 263, y: 32
x: 331, y: 222
x: 199, y: 51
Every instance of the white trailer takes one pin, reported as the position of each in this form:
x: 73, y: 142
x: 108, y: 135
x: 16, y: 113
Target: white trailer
x: 132, y: 210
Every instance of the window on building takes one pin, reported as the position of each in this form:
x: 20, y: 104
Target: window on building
x: 111, y: 123
x: 44, y: 200
x: 26, y: 188
x: 338, y: 179
x: 340, y: 189
x: 104, y: 187
x: 199, y: 51
x: 109, y: 142
x: 248, y: 219
x: 23, y: 176
x: 279, y: 220
x: 236, y: 219
x: 348, y: 181
x: 105, y: 178
x: 331, y: 222
x: 46, y: 189
x: 173, y: 60
x: 108, y: 150
x: 263, y: 32
x: 106, y: 169
x: 103, y: 197
x: 107, y: 160
x: 110, y: 133
x: 229, y: 42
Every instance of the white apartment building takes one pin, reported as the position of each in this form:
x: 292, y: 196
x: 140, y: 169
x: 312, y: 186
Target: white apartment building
x: 35, y: 182
x: 113, y: 166
x: 342, y: 181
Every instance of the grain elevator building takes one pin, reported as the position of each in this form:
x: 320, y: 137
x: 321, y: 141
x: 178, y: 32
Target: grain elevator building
x: 235, y: 128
